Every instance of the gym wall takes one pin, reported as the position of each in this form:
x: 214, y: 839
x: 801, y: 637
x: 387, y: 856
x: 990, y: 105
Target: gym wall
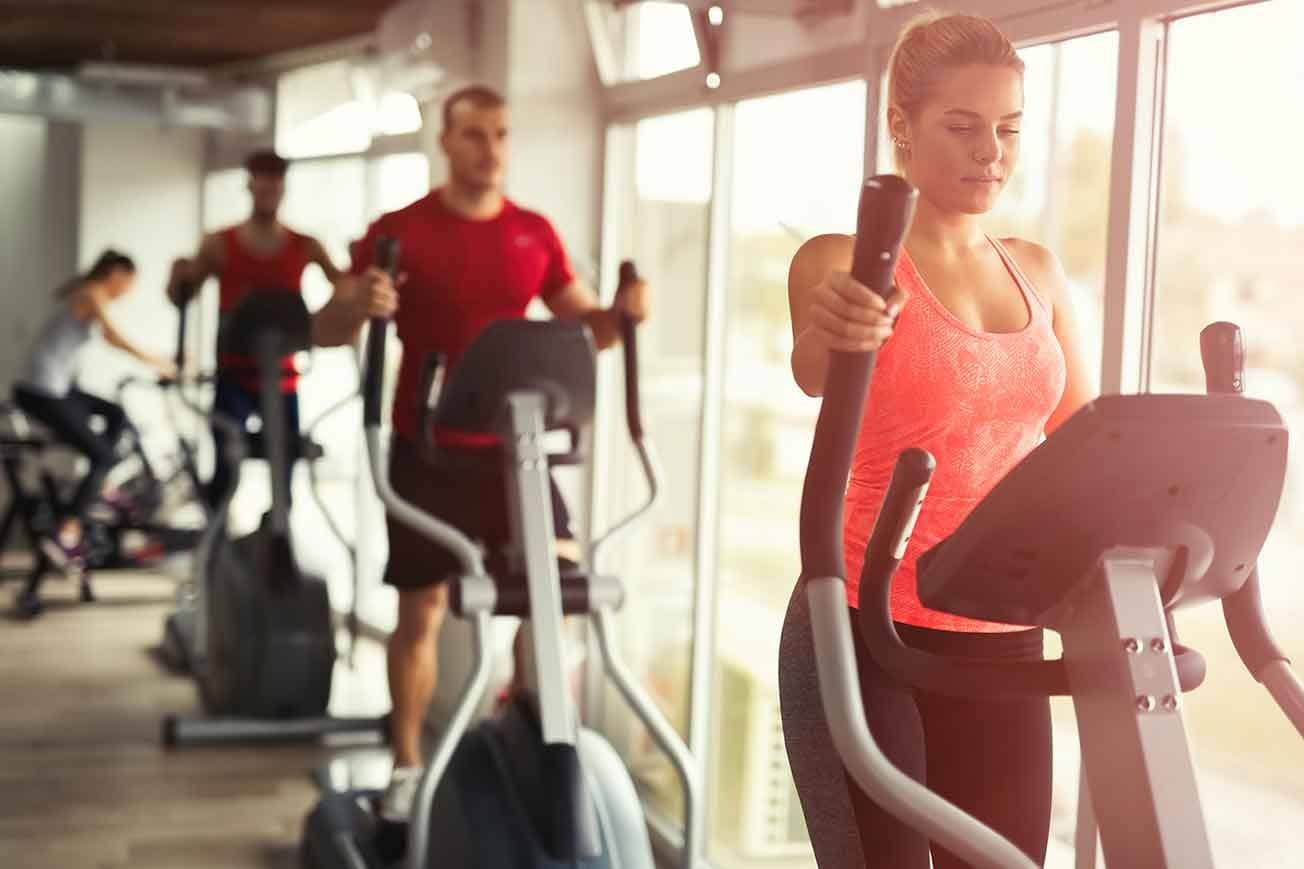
x: 556, y: 121
x: 38, y: 227
x: 139, y: 191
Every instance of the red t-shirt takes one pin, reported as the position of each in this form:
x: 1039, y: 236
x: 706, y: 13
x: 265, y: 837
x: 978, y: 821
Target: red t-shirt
x: 244, y: 272
x: 462, y: 275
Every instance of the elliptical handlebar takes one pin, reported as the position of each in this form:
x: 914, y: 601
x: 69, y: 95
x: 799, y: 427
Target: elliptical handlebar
x: 373, y: 384
x: 1222, y: 350
x: 629, y: 339
x: 886, y: 207
x: 185, y: 293
x: 887, y: 203
x: 647, y: 456
x: 373, y: 374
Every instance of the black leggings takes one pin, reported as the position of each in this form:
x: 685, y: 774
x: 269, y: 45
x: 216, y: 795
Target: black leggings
x: 69, y: 418
x: 991, y: 758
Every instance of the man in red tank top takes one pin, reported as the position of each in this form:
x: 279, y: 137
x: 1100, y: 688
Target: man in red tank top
x: 469, y: 256
x: 260, y: 254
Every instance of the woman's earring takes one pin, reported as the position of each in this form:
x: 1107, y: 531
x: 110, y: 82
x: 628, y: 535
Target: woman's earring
x: 901, y: 144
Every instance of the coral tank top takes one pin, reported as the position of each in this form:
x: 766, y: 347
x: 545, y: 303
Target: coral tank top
x: 978, y: 401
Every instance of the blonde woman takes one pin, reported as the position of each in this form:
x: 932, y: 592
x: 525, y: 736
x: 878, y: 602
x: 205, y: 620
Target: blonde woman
x: 978, y: 358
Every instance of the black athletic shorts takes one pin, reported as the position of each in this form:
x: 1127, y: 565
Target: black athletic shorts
x: 469, y: 492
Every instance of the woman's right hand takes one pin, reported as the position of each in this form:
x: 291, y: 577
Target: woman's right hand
x: 165, y: 368
x: 846, y: 315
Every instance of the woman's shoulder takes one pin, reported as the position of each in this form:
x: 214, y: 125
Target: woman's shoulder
x: 833, y: 245
x: 819, y: 255
x: 1040, y: 264
x: 82, y: 298
x: 1028, y: 253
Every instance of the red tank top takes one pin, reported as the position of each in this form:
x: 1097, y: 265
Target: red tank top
x: 244, y: 272
x: 978, y: 401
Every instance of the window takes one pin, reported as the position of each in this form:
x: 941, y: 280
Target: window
x: 780, y: 198
x: 336, y: 108
x: 667, y: 172
x: 397, y: 180
x: 756, y: 36
x: 648, y: 39
x: 1230, y: 234
x: 661, y: 39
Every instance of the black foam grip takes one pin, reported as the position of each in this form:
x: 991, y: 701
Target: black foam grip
x: 183, y: 308
x: 514, y: 596
x: 373, y: 381
x: 887, y: 203
x: 628, y: 272
x: 1222, y: 349
x: 629, y: 338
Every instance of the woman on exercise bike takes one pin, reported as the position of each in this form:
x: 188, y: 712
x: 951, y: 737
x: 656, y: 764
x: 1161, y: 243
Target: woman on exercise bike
x: 46, y: 390
x: 978, y: 357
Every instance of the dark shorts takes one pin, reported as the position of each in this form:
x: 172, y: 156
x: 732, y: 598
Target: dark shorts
x: 467, y: 492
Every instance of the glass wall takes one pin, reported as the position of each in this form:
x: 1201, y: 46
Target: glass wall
x: 664, y: 221
x: 648, y: 38
x: 1230, y: 238
x: 781, y: 197
x: 336, y: 108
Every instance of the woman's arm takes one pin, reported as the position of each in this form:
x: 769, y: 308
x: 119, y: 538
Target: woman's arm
x: 1045, y: 270
x: 830, y: 310
x: 95, y: 305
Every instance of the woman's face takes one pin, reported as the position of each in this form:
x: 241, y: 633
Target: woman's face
x: 119, y: 282
x: 964, y: 139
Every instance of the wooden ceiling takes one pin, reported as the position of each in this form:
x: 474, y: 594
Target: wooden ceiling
x: 46, y: 34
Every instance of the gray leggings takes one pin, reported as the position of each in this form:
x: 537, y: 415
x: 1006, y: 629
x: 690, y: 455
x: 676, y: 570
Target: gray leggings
x: 992, y: 758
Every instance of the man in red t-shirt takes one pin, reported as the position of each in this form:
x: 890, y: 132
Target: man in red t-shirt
x: 259, y: 254
x: 468, y: 257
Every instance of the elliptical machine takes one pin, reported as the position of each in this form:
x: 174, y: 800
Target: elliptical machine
x: 260, y: 634
x: 529, y: 788
x: 1170, y: 497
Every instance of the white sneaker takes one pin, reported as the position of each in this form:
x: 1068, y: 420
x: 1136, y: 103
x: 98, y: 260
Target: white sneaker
x: 396, y: 804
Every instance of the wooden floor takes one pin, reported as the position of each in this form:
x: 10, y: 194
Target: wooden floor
x: 84, y: 781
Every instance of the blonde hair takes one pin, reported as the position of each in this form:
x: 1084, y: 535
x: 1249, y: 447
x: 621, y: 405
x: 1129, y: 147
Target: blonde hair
x: 934, y: 43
